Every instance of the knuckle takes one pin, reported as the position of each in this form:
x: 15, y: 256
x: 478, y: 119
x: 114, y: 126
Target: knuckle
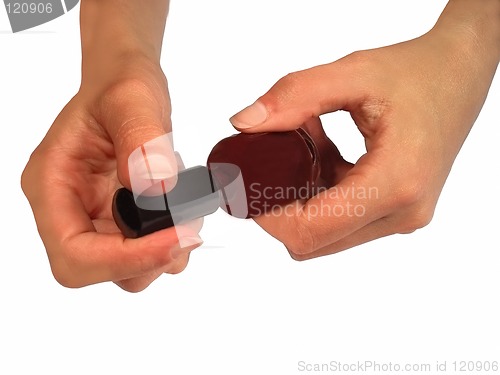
x: 38, y: 172
x: 290, y: 80
x: 124, y: 89
x: 358, y: 60
x: 133, y: 285
x: 64, y: 275
x: 27, y: 176
x: 410, y: 195
x: 178, y: 266
x: 418, y: 219
x: 301, y: 241
x: 25, y: 181
x: 126, y: 94
x: 357, y: 57
x: 298, y: 257
x: 138, y: 128
x: 415, y: 206
x: 288, y: 87
x: 66, y: 268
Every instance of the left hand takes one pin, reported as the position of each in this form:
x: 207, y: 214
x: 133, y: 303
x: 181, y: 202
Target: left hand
x: 71, y: 177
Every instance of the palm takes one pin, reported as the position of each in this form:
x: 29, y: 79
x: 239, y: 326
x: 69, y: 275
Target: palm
x: 84, y: 162
x: 86, y: 152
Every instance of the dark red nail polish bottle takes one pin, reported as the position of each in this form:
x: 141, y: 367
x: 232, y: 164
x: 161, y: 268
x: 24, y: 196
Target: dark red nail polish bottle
x: 277, y: 168
x: 247, y: 175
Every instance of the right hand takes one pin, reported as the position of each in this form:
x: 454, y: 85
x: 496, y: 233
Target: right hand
x: 413, y: 102
x: 72, y: 175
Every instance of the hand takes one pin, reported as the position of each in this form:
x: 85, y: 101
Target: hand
x: 414, y: 103
x: 72, y: 175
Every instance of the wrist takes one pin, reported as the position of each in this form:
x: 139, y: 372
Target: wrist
x: 117, y: 35
x: 475, y: 24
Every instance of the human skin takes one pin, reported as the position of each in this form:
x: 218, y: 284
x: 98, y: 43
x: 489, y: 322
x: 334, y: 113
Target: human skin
x: 414, y: 103
x: 70, y: 179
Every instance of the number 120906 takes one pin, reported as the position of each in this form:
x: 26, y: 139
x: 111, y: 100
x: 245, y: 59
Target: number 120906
x: 28, y: 8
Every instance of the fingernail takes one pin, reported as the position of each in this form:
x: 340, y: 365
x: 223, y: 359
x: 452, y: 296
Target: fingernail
x: 154, y: 160
x: 250, y: 117
x: 152, y: 173
x: 185, y: 246
x: 154, y: 167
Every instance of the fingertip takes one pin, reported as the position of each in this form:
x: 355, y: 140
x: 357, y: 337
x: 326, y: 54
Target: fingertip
x: 138, y: 284
x: 250, y: 117
x: 153, y: 166
x: 186, y: 245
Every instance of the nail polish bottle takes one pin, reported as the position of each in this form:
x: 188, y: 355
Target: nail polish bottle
x: 277, y: 168
x: 246, y: 174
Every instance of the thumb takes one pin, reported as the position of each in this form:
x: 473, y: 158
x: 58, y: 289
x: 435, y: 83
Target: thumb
x: 143, y: 142
x: 298, y: 97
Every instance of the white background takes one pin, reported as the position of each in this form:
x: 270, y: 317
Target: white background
x: 243, y: 306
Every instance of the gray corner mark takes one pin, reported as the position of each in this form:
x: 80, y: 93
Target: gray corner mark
x: 70, y: 4
x: 25, y: 14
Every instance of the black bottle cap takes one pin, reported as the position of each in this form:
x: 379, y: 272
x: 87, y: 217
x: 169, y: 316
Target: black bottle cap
x: 195, y: 195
